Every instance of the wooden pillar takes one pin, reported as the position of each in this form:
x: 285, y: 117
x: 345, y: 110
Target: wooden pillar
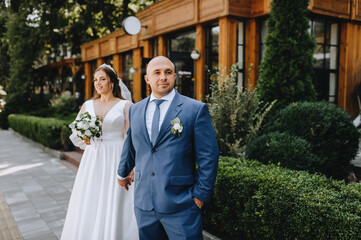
x: 343, y: 73
x: 200, y: 63
x: 147, y: 53
x: 252, y: 52
x: 118, y: 65
x: 162, y: 46
x: 227, y: 43
x: 73, y: 72
x: 137, y: 75
x: 147, y: 49
x: 100, y: 61
x: 88, y: 80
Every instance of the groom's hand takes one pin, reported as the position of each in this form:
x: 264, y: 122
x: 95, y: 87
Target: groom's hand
x: 198, y: 202
x: 124, y: 183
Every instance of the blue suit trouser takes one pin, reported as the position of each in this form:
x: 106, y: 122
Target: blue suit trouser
x: 186, y: 224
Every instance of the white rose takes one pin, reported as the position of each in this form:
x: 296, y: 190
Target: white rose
x: 86, y: 126
x: 92, y: 124
x: 80, y: 125
x: 88, y: 133
x: 72, y: 125
x: 178, y: 127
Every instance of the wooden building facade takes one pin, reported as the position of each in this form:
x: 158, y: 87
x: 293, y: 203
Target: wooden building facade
x: 225, y: 32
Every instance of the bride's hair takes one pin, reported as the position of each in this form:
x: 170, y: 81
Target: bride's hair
x: 117, y: 92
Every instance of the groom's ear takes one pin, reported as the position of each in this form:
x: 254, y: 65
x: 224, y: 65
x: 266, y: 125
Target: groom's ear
x: 146, y: 78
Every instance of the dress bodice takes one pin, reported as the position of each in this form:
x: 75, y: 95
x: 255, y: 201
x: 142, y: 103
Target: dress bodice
x: 113, y: 122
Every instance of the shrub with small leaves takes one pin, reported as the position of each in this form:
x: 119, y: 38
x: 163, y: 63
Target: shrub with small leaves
x: 237, y: 113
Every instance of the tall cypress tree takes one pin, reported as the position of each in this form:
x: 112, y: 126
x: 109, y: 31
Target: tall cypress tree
x: 287, y: 65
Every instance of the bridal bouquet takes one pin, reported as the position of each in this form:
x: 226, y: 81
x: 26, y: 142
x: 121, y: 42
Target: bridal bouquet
x: 86, y: 126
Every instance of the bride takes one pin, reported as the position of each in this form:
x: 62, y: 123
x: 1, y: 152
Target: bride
x: 99, y: 208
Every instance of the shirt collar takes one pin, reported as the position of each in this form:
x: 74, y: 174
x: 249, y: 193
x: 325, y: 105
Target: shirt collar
x: 168, y: 97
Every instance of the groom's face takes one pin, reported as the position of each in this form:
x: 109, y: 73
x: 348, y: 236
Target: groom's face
x: 160, y: 76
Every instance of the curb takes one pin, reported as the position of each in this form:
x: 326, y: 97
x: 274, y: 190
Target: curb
x: 54, y: 153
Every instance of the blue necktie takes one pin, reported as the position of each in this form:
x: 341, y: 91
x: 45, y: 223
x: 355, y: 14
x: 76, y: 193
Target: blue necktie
x: 155, y: 123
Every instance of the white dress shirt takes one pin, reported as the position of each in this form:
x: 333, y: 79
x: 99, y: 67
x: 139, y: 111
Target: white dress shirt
x: 163, y: 107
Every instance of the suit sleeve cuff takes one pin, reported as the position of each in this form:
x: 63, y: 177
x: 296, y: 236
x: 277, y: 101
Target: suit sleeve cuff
x: 121, y: 178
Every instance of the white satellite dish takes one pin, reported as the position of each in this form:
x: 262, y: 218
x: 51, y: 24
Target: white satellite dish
x: 131, y: 25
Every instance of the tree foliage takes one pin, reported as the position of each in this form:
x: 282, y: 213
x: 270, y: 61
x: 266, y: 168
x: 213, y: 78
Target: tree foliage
x: 32, y: 31
x: 286, y: 68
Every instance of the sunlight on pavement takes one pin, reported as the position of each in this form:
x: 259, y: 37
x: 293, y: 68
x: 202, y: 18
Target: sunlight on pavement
x: 19, y: 168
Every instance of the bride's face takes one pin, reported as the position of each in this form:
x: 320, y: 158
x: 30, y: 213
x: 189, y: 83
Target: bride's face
x: 102, y: 82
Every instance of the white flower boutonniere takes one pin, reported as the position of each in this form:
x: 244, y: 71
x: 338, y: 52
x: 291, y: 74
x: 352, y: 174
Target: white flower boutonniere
x: 177, y: 126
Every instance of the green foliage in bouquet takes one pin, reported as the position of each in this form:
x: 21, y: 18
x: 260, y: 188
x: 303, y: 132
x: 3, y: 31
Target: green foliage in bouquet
x: 237, y: 113
x: 86, y: 126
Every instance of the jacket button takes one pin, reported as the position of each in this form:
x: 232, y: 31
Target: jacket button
x: 152, y: 174
x: 153, y: 150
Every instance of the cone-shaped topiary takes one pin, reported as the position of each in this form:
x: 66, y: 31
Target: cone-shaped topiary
x: 287, y: 65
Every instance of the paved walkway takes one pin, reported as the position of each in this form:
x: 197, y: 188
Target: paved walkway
x: 35, y: 188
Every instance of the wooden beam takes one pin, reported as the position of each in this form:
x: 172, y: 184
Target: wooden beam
x: 88, y: 80
x: 100, y: 61
x: 162, y: 46
x: 118, y: 64
x: 137, y: 81
x: 200, y: 63
x: 227, y: 43
x: 252, y: 52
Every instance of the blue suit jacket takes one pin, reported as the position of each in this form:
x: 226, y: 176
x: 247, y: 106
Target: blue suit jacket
x: 166, y: 178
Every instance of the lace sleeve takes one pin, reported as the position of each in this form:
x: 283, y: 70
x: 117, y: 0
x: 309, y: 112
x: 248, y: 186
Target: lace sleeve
x: 73, y: 137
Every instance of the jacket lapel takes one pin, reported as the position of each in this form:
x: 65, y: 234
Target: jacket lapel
x: 173, y: 111
x: 143, y: 123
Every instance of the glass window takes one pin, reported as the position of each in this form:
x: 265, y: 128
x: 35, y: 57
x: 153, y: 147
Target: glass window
x: 179, y: 49
x: 155, y: 47
x: 325, y: 78
x: 128, y: 70
x: 240, y: 53
x: 212, y: 50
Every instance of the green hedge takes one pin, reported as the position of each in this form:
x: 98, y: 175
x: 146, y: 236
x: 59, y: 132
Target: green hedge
x: 43, y: 130
x: 329, y: 129
x: 256, y: 201
x: 285, y: 149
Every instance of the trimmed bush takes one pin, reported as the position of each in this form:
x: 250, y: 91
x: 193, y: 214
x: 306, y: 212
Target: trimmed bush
x: 329, y: 129
x: 287, y: 150
x: 256, y: 201
x: 43, y: 130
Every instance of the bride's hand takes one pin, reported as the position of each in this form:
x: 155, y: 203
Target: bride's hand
x: 86, y: 140
x: 131, y: 176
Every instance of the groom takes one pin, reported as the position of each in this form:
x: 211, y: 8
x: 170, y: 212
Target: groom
x: 169, y: 135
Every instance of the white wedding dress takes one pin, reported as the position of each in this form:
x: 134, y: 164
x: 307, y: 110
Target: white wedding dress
x: 99, y: 208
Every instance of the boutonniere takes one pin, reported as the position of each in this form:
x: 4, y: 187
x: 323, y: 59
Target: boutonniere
x: 177, y: 127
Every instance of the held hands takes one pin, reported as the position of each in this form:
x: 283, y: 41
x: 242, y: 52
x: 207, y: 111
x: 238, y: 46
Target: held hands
x: 127, y: 181
x: 86, y: 140
x: 198, y: 202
